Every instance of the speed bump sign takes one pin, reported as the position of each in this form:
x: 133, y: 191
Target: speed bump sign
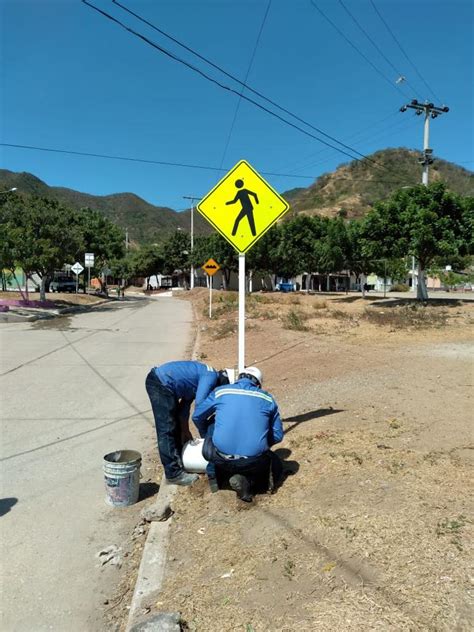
x: 242, y: 206
x: 211, y: 267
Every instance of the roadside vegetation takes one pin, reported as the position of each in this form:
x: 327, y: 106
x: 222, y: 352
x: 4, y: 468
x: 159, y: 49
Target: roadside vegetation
x: 432, y: 224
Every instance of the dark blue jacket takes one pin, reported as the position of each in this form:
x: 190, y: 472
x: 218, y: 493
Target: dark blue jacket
x: 188, y: 380
x: 247, y: 419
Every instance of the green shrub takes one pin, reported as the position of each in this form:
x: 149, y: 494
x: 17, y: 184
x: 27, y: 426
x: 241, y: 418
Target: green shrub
x: 400, y: 287
x: 295, y: 320
x: 225, y: 329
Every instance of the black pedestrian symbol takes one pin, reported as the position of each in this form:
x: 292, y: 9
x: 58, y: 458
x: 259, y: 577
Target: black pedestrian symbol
x: 243, y: 196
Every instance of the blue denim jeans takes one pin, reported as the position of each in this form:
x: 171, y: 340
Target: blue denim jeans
x: 168, y: 432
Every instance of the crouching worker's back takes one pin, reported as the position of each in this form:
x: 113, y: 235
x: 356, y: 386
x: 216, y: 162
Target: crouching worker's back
x: 247, y: 423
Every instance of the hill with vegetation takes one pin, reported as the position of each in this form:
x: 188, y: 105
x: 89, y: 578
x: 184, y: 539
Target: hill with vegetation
x: 349, y: 191
x: 146, y: 223
x: 353, y: 188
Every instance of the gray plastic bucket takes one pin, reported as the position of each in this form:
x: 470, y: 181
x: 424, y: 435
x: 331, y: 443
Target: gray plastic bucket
x: 122, y: 477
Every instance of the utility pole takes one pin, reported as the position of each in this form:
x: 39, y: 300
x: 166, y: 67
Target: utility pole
x: 192, y: 198
x: 430, y: 111
x: 126, y: 239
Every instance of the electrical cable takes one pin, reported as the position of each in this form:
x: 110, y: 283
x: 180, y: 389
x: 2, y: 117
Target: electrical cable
x: 236, y: 111
x: 403, y: 50
x: 133, y: 159
x: 381, y: 134
x: 350, y: 138
x: 155, y: 162
x: 351, y: 43
x: 220, y: 69
x: 376, y: 46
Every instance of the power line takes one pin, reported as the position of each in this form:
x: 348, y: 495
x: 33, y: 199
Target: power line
x: 134, y: 159
x: 380, y: 134
x: 236, y: 111
x: 227, y: 74
x: 403, y: 51
x: 357, y: 49
x: 158, y: 162
x: 351, y: 138
x: 375, y: 45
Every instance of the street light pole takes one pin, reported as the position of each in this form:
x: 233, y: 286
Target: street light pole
x: 9, y: 190
x: 192, y: 198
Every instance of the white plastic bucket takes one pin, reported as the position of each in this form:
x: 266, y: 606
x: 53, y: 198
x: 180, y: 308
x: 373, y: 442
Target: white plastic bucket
x: 192, y: 458
x: 122, y: 477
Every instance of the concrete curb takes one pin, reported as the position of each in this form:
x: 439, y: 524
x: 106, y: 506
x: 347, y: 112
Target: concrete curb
x: 20, y: 315
x: 153, y: 564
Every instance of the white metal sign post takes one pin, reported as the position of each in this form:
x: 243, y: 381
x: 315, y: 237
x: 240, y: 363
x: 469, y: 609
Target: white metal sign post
x: 89, y: 263
x: 254, y: 208
x: 77, y: 269
x: 241, y: 364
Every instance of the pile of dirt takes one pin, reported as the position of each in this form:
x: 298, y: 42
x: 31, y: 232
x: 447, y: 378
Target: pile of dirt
x: 373, y: 530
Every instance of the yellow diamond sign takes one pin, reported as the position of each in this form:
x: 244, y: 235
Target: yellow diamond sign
x: 211, y: 267
x: 242, y: 206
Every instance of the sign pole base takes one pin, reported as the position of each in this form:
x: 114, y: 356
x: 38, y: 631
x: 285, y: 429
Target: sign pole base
x: 241, y: 363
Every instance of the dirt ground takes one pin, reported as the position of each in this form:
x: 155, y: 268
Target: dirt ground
x: 373, y: 530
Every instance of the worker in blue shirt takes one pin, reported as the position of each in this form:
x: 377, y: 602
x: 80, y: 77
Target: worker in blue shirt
x: 247, y: 423
x: 172, y: 387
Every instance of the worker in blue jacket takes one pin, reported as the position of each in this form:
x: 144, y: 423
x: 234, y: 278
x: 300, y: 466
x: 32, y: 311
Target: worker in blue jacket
x: 172, y: 387
x: 247, y: 423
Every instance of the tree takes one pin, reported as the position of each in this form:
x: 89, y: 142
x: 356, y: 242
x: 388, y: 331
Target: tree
x: 100, y: 236
x: 42, y: 235
x: 176, y: 253
x: 146, y: 262
x: 425, y: 222
x: 216, y: 247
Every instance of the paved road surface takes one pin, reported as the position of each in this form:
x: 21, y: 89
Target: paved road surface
x: 72, y: 389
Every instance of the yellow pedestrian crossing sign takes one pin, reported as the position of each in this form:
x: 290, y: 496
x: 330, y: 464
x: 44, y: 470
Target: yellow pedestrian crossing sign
x: 242, y: 206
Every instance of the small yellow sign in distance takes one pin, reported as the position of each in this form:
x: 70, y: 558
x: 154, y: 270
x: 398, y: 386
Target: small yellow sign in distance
x: 211, y: 267
x: 242, y: 206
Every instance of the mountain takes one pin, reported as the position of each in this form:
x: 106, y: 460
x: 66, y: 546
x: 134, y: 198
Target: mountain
x: 353, y: 188
x: 146, y: 223
x: 349, y: 191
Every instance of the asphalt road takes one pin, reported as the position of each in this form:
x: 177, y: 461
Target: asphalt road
x: 72, y: 389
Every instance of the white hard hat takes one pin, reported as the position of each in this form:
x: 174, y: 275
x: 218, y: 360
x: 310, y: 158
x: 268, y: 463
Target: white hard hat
x: 254, y: 372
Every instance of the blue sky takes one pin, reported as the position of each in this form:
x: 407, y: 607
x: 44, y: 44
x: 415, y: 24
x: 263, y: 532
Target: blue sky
x: 74, y: 80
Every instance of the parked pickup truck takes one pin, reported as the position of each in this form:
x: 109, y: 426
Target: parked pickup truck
x: 62, y: 284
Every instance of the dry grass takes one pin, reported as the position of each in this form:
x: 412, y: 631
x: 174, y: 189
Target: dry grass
x: 407, y: 317
x: 374, y: 531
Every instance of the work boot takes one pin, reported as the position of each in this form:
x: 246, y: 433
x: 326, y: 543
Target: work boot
x: 213, y: 485
x: 241, y: 486
x: 183, y: 479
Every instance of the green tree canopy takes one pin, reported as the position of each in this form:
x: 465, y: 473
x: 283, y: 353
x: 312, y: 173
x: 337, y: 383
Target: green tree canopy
x: 176, y: 252
x: 216, y: 247
x: 42, y: 235
x: 425, y: 222
x: 99, y: 236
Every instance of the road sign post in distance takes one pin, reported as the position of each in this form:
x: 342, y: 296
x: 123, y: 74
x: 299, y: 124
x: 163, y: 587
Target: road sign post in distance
x: 89, y: 263
x: 77, y: 268
x: 210, y: 268
x: 242, y: 207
